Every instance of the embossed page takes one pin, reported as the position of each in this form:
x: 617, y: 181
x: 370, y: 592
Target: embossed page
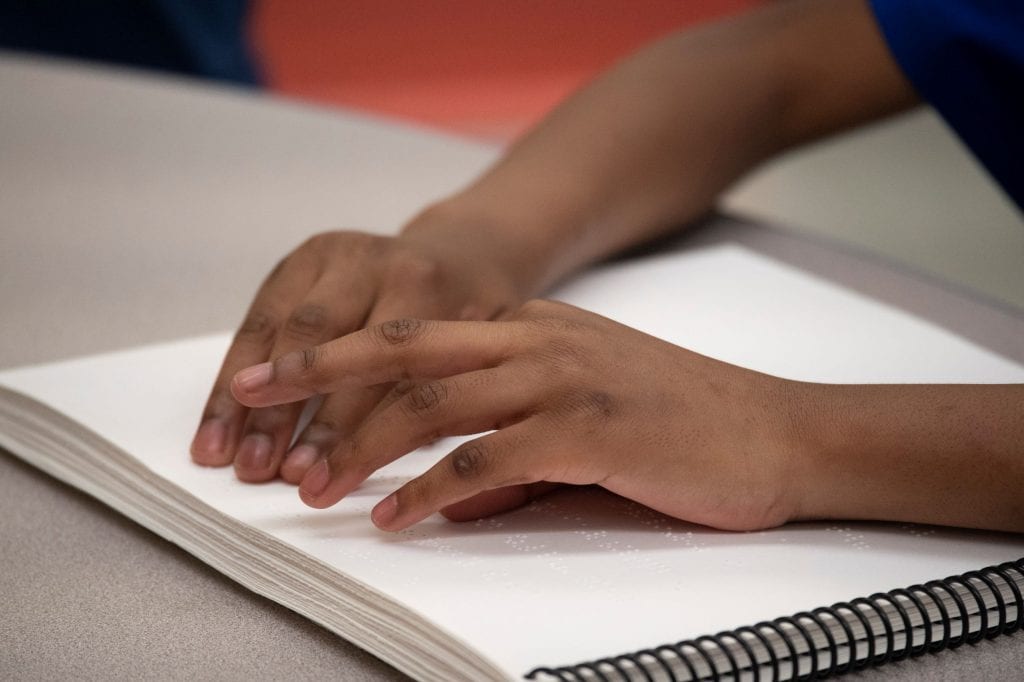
x: 582, y: 574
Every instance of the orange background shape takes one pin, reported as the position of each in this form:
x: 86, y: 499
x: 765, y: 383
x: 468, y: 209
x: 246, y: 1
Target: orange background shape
x: 478, y: 67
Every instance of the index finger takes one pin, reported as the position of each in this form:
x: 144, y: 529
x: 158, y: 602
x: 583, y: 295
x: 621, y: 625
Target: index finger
x: 393, y: 351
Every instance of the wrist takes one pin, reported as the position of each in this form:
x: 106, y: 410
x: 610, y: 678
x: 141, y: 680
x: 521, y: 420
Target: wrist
x: 929, y: 453
x: 873, y: 452
x: 523, y: 252
x: 811, y: 490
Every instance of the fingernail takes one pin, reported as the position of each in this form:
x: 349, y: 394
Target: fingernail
x: 385, y: 511
x: 210, y: 438
x: 301, y: 457
x: 255, y: 451
x: 316, y: 479
x: 252, y: 378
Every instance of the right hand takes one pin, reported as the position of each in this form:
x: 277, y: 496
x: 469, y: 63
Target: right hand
x: 333, y: 284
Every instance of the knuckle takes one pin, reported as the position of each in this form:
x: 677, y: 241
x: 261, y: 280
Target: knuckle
x: 310, y: 359
x: 562, y: 356
x: 535, y: 307
x: 469, y: 461
x: 317, y: 242
x: 542, y: 308
x: 257, y: 327
x: 426, y: 397
x: 301, y: 367
x: 352, y: 244
x: 593, y: 404
x: 555, y: 326
x: 399, y: 332
x: 362, y: 244
x: 307, y: 322
x: 564, y: 346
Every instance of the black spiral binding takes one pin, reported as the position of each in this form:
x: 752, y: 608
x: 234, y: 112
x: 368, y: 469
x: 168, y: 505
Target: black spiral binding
x: 863, y: 632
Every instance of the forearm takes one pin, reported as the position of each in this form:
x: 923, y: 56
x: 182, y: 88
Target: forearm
x: 940, y: 454
x: 651, y: 143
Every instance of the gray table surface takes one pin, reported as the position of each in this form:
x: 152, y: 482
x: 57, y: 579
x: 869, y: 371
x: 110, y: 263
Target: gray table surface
x: 137, y: 209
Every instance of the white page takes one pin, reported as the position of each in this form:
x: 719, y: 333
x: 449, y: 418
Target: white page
x: 583, y: 574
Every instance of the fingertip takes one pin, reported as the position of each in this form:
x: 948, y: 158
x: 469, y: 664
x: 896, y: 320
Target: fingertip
x: 254, y: 377
x: 384, y: 513
x: 209, y: 446
x: 313, y: 485
x: 246, y: 383
x: 298, y: 462
x: 204, y: 459
x: 254, y: 461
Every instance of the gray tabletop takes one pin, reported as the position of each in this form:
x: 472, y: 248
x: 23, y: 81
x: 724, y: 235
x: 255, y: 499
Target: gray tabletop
x: 137, y: 209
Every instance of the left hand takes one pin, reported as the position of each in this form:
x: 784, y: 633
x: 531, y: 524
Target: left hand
x: 571, y: 397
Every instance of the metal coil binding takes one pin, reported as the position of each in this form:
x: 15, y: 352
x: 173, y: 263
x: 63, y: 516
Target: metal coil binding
x: 825, y: 641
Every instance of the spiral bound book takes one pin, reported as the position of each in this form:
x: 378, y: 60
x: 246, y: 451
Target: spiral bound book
x: 580, y: 584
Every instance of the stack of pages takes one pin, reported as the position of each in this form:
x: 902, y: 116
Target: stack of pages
x: 580, y: 575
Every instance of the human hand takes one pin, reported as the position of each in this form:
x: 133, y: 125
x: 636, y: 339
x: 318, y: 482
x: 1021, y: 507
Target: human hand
x: 334, y: 284
x: 572, y: 398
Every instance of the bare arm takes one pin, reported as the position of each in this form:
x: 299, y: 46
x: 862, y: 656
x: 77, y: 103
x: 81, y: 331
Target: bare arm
x: 942, y: 454
x: 651, y: 143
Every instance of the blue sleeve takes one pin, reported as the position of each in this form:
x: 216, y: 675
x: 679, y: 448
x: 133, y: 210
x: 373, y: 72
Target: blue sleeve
x: 966, y: 58
x: 196, y: 37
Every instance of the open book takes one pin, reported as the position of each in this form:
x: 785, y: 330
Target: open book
x: 580, y: 575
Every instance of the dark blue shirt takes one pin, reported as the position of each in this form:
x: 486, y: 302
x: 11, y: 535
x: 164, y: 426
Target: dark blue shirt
x: 195, y: 37
x: 966, y: 58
